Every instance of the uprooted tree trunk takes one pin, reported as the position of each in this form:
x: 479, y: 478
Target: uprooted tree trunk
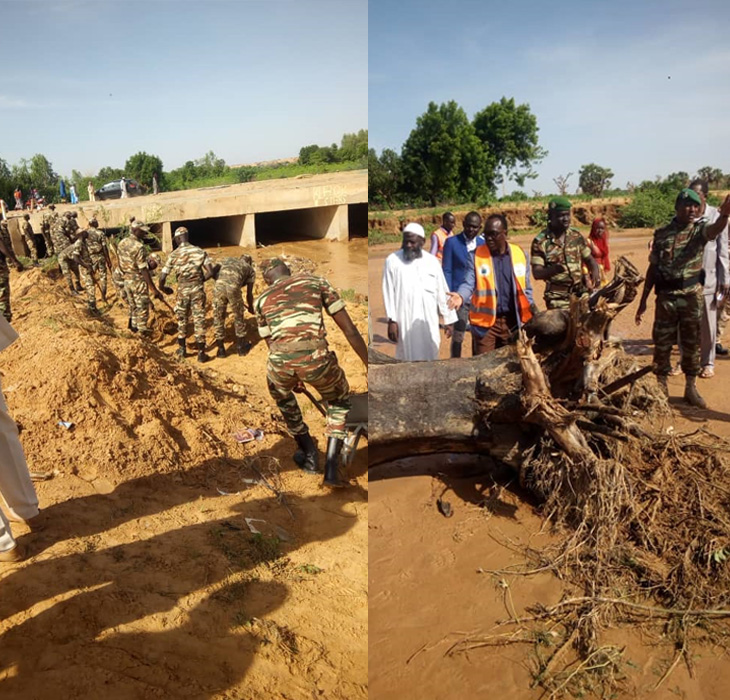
x: 645, y: 510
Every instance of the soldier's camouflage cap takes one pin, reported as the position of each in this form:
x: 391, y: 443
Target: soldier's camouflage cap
x: 688, y: 194
x: 270, y: 264
x: 180, y: 231
x: 559, y: 204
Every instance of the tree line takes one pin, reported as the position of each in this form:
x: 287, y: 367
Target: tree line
x: 38, y: 172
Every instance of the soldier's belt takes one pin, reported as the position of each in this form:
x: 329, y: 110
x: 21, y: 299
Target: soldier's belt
x: 662, y: 285
x: 298, y: 345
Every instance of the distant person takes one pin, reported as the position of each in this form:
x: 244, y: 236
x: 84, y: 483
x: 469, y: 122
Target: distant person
x: 123, y: 184
x: 29, y: 237
x: 598, y: 242
x: 74, y: 196
x: 558, y: 254
x: 18, y: 194
x: 192, y: 266
x: 16, y: 487
x: 155, y: 186
x: 675, y: 273
x: 415, y: 293
x: 498, y: 287
x: 439, y: 236
x: 92, y: 192
x: 458, y: 261
x: 62, y: 191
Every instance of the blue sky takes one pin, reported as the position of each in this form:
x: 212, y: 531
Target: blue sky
x: 90, y: 82
x: 641, y: 87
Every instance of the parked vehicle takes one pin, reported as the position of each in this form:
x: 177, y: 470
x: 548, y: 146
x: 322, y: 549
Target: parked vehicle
x: 113, y: 190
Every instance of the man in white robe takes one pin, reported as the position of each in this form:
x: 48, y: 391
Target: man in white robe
x: 415, y: 293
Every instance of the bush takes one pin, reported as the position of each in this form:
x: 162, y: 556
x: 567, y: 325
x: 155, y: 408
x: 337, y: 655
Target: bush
x: 516, y: 196
x: 649, y: 208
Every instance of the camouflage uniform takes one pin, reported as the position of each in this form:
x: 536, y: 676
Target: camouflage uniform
x: 97, y: 247
x: 27, y: 231
x: 676, y: 254
x: 545, y: 250
x: 47, y: 224
x: 132, y: 260
x: 78, y: 253
x: 188, y: 261
x: 289, y: 314
x: 61, y: 240
x: 235, y: 273
x: 5, y: 274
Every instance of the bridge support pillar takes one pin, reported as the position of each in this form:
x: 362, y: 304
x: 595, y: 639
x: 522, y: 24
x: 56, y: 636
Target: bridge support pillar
x: 166, y: 237
x: 337, y: 224
x: 248, y: 231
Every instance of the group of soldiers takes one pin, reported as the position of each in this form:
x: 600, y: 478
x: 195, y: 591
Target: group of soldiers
x: 289, y: 312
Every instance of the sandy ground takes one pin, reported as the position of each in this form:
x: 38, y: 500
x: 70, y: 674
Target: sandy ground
x: 426, y: 592
x: 147, y: 580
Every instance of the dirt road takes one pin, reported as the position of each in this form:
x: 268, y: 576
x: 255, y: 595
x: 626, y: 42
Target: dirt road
x: 426, y: 589
x: 149, y: 579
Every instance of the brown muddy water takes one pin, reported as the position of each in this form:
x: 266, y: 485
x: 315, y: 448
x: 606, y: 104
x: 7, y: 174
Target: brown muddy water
x: 345, y: 265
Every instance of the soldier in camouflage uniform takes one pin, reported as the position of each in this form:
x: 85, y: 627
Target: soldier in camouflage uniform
x: 47, y: 223
x: 62, y: 229
x: 233, y: 274
x: 675, y: 266
x: 558, y: 254
x: 137, y: 279
x: 289, y: 317
x: 78, y: 253
x: 6, y: 253
x: 27, y: 230
x: 99, y: 254
x: 192, y: 267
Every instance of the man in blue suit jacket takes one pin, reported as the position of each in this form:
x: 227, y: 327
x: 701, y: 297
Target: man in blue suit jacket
x: 457, y: 262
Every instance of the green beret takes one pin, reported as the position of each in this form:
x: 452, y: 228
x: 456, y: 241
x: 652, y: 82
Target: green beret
x: 686, y: 194
x: 559, y: 204
x: 270, y: 264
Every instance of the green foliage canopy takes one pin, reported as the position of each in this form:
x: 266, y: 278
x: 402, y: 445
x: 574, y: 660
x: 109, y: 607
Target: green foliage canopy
x: 510, y: 133
x: 593, y: 179
x: 142, y: 166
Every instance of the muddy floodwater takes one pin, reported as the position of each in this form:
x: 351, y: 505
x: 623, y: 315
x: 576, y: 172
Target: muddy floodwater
x: 344, y: 264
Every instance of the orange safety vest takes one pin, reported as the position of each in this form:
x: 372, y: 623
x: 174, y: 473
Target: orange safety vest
x: 483, y: 311
x: 442, y: 236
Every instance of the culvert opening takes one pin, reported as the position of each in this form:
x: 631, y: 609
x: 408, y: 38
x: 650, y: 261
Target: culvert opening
x: 214, y: 231
x: 293, y: 225
x: 357, y: 220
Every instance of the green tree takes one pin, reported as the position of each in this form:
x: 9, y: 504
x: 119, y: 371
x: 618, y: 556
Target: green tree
x: 384, y: 177
x: 108, y: 174
x: 210, y: 165
x: 306, y: 153
x: 712, y: 176
x: 593, y: 179
x: 354, y: 146
x: 443, y: 158
x: 142, y: 166
x: 509, y: 132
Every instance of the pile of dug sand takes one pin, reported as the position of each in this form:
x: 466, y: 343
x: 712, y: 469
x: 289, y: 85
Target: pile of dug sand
x: 132, y: 409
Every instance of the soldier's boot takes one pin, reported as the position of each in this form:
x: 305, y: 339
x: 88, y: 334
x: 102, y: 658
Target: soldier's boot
x: 73, y: 291
x: 202, y: 357
x: 306, y: 457
x: 221, y: 348
x: 691, y: 395
x: 455, y: 349
x: 662, y: 382
x: 79, y: 288
x: 92, y: 309
x: 131, y: 325
x: 242, y: 346
x: 181, y: 350
x: 332, y: 464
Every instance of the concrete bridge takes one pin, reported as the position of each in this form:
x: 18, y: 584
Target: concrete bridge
x: 331, y: 207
